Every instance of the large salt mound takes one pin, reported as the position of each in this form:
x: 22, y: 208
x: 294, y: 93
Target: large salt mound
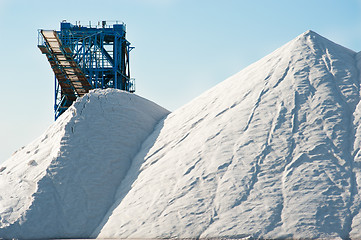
x: 62, y: 184
x: 267, y: 153
x: 272, y: 152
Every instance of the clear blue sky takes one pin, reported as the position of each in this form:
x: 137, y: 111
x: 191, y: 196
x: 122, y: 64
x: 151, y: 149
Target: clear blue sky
x: 183, y: 47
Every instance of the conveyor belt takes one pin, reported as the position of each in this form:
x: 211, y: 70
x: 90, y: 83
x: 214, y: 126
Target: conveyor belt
x: 70, y: 77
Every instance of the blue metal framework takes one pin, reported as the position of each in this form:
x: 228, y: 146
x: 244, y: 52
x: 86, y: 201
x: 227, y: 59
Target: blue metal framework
x: 98, y: 53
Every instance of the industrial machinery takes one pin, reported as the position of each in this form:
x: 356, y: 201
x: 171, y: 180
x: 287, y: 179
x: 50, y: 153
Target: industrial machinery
x: 85, y: 58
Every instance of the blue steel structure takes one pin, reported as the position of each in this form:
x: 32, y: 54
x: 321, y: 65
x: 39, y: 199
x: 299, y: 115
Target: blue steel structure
x: 85, y: 58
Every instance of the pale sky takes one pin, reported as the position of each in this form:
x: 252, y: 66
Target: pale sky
x: 182, y: 47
